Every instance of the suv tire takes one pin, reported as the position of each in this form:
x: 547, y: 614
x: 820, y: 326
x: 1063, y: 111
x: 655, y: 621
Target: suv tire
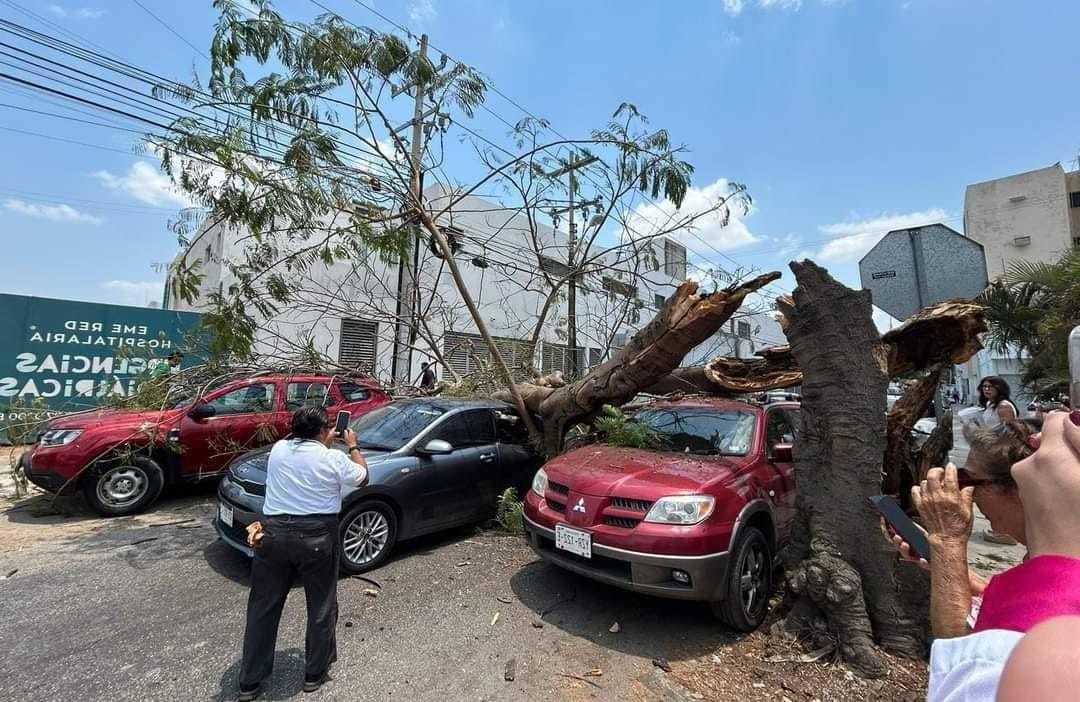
x: 125, y: 487
x: 749, y: 582
x: 367, y: 535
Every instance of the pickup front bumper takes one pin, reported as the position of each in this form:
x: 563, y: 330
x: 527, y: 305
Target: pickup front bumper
x: 641, y: 572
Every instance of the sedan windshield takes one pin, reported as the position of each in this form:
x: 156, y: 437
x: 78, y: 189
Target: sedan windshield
x: 701, y: 430
x: 390, y: 427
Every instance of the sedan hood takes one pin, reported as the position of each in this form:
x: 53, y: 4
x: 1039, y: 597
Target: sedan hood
x: 251, y: 466
x: 612, y: 471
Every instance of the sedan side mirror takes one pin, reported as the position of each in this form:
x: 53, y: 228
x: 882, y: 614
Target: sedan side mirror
x: 435, y: 447
x: 781, y: 453
x: 204, y: 411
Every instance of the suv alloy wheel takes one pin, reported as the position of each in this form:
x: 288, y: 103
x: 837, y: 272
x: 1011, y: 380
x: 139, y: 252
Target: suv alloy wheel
x: 750, y: 582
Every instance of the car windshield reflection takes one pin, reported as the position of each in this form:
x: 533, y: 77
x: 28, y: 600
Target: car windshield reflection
x: 701, y: 431
x: 390, y: 427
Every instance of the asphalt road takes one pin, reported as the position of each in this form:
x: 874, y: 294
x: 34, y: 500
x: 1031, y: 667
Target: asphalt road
x: 145, y: 609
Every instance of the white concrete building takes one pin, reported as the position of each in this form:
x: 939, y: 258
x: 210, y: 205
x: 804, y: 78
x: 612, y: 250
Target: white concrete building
x: 1032, y: 216
x: 347, y: 311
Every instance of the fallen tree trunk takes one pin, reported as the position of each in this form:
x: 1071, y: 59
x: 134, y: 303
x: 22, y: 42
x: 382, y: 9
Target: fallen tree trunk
x: 774, y: 369
x: 900, y: 458
x: 686, y: 320
x: 842, y: 571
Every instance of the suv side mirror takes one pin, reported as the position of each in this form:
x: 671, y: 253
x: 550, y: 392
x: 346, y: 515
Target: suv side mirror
x: 435, y: 447
x: 781, y: 453
x: 203, y: 411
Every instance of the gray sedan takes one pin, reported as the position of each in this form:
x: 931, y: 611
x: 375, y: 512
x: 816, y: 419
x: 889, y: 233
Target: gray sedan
x: 434, y: 464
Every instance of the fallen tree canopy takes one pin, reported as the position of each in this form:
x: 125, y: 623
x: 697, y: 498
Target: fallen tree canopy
x: 686, y: 320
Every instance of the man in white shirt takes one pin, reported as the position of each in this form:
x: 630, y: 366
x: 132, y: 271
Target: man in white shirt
x: 305, y: 479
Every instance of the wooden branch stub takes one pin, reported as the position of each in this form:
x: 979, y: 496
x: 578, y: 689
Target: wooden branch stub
x: 947, y: 332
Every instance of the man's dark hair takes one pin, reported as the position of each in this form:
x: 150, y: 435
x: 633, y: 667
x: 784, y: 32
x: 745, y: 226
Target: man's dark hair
x: 308, y: 422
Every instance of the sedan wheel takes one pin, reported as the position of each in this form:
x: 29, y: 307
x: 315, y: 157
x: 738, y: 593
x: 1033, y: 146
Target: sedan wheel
x: 124, y: 489
x: 122, y: 486
x: 368, y: 533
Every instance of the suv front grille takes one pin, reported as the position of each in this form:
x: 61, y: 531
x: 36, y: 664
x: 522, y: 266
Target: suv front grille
x: 621, y: 522
x: 558, y: 487
x: 557, y: 506
x: 631, y: 504
x: 250, y: 487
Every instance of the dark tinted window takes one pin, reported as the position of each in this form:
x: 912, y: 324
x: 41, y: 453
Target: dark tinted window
x: 509, y: 429
x: 353, y: 392
x: 778, y: 429
x: 251, y: 399
x: 299, y: 395
x: 469, y: 428
x: 390, y: 427
x: 701, y: 430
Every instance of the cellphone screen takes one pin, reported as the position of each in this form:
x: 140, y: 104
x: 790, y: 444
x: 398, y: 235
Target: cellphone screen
x: 902, y: 524
x: 342, y: 422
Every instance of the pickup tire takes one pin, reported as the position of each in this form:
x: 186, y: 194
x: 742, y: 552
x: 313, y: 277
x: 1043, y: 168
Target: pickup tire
x: 125, y: 487
x: 749, y: 582
x: 367, y: 535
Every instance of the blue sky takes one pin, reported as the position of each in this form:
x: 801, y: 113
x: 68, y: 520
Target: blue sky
x: 845, y: 118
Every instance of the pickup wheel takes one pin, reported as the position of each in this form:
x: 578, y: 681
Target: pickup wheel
x: 123, y: 488
x: 368, y: 532
x: 750, y: 581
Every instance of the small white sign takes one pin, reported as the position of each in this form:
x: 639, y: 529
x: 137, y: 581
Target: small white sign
x: 573, y: 540
x: 225, y: 513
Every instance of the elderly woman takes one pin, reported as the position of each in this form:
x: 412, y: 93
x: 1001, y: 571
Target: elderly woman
x: 985, y: 481
x: 1045, y: 586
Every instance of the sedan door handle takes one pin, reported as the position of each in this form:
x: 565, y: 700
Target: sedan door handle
x: 487, y: 457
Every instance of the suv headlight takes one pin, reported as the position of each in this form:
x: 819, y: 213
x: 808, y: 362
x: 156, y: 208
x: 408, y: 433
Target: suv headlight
x: 681, y: 509
x: 60, y: 437
x: 539, y: 482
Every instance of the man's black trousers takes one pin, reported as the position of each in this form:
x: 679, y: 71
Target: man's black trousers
x: 292, y: 547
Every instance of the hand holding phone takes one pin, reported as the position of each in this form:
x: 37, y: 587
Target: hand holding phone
x: 902, y: 525
x: 342, y: 422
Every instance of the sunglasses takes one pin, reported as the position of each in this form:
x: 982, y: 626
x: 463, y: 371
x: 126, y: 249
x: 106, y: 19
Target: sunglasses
x: 966, y: 479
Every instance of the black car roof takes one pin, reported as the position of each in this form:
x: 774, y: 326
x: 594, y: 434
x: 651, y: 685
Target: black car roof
x: 450, y: 403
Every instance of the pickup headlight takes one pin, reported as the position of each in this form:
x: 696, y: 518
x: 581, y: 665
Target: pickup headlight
x: 539, y: 482
x: 60, y: 437
x: 681, y: 509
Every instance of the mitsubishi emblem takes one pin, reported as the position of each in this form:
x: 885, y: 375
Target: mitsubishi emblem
x: 580, y: 506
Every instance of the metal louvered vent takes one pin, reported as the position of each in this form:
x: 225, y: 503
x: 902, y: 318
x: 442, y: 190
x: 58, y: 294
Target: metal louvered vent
x: 359, y: 343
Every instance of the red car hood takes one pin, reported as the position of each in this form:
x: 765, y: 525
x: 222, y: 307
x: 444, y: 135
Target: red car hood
x: 625, y: 472
x: 110, y: 418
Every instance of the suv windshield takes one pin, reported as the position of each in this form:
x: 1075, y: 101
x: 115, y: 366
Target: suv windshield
x: 701, y: 430
x: 390, y: 427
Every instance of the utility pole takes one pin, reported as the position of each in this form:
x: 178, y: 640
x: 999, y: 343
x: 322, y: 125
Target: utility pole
x: 401, y: 365
x: 571, y: 293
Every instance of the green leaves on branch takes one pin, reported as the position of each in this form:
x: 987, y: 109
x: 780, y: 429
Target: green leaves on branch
x: 620, y: 430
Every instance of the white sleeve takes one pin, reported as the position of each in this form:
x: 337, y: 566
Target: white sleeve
x: 968, y: 668
x: 349, y: 473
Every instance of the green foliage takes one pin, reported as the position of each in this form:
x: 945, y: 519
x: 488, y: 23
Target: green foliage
x: 1031, y: 311
x: 508, y: 512
x: 620, y: 430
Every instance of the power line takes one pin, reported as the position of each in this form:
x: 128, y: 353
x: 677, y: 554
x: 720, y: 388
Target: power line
x: 175, y: 33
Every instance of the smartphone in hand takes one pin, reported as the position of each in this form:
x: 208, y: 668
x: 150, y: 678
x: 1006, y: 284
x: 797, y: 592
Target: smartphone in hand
x: 342, y: 422
x: 902, y: 525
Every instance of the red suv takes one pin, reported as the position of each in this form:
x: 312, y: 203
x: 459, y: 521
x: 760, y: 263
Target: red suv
x: 701, y: 518
x: 121, y: 459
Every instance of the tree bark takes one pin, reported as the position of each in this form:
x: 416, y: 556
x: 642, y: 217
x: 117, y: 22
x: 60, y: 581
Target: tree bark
x: 686, y: 320
x: 842, y: 569
x: 900, y: 459
x: 774, y: 370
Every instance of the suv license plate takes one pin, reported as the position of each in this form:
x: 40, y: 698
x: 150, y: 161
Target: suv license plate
x: 226, y: 514
x: 574, y: 541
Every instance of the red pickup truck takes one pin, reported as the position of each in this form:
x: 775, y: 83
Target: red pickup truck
x: 701, y: 518
x: 121, y: 459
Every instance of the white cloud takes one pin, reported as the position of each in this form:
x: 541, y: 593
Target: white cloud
x: 53, y: 213
x: 884, y: 321
x: 89, y: 13
x: 780, y: 4
x: 422, y: 12
x: 139, y: 293
x: 854, y: 238
x: 650, y: 217
x: 732, y: 7
x: 145, y: 183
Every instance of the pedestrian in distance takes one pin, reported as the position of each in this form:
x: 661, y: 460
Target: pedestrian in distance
x: 298, y: 538
x: 427, y: 376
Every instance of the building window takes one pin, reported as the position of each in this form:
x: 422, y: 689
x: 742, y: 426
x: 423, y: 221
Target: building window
x: 359, y: 341
x: 674, y: 260
x: 468, y: 353
x: 743, y: 330
x: 1074, y: 199
x: 658, y: 301
x: 556, y: 268
x: 617, y: 288
x: 1076, y: 245
x: 557, y: 358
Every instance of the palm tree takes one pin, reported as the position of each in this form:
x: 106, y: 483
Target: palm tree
x: 1030, y: 312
